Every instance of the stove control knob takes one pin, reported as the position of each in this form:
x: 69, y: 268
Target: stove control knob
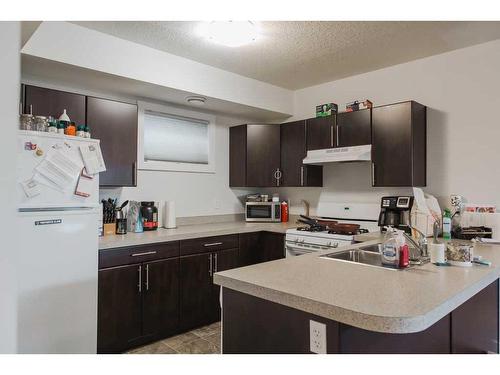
x: 329, y: 243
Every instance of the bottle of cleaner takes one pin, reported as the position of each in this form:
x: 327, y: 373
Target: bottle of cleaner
x: 447, y: 224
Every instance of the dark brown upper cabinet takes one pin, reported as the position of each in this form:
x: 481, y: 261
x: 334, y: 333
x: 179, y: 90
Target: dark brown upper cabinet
x: 48, y: 102
x: 399, y: 145
x: 320, y: 132
x: 115, y: 124
x: 353, y: 128
x: 254, y: 155
x: 293, y: 151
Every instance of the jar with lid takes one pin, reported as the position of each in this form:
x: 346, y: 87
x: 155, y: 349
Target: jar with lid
x: 80, y: 131
x: 52, y: 128
x: 149, y: 215
x: 70, y: 129
x: 87, y: 131
x: 26, y: 122
x: 41, y: 123
x: 61, y: 126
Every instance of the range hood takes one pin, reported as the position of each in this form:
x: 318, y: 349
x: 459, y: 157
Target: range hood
x: 339, y: 154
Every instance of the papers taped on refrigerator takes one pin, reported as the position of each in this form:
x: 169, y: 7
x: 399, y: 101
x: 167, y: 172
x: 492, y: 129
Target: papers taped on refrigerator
x: 59, y: 169
x: 92, y: 158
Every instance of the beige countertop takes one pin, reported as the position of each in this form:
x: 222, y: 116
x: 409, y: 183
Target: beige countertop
x: 376, y: 299
x: 190, y: 231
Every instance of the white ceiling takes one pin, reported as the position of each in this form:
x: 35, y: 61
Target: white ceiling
x: 294, y: 55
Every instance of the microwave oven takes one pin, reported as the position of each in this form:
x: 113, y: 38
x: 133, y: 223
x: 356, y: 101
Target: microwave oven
x: 263, y: 211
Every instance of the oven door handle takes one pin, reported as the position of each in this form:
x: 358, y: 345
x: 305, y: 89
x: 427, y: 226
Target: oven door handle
x: 299, y: 249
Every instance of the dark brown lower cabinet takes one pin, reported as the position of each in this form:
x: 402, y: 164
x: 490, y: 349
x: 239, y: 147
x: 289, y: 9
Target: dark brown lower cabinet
x: 196, y: 290
x: 258, y: 247
x: 474, y: 324
x: 161, y: 298
x: 223, y: 260
x: 269, y: 327
x: 137, y: 303
x: 119, y: 308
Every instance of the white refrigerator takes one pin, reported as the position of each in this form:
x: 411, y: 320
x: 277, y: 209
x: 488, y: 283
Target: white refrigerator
x: 58, y: 253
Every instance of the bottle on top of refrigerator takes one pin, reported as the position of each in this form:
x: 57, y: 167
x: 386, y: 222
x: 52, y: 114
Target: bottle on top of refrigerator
x: 447, y: 224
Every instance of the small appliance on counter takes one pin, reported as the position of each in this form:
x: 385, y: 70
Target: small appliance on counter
x: 121, y: 219
x: 149, y: 214
x: 263, y: 211
x: 395, y: 212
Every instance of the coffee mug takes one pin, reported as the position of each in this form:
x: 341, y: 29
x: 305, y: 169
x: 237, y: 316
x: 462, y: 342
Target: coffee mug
x: 437, y: 252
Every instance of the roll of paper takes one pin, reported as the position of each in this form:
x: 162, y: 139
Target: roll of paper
x: 160, y: 206
x: 169, y: 215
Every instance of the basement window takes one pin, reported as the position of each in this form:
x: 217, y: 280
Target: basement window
x: 173, y: 139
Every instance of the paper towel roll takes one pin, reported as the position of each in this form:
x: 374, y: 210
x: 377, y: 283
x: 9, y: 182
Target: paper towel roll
x: 161, y: 210
x: 169, y: 215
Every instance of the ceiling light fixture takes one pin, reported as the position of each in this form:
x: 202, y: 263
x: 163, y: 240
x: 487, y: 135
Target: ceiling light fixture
x: 230, y: 33
x: 196, y: 100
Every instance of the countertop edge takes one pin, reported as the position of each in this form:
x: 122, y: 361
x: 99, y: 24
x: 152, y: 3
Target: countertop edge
x: 382, y: 324
x: 127, y: 242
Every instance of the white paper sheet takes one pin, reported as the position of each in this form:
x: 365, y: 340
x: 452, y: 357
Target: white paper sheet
x: 92, y: 158
x: 59, y: 169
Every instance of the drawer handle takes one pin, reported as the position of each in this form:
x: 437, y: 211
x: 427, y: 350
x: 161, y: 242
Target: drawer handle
x: 212, y: 244
x: 142, y: 254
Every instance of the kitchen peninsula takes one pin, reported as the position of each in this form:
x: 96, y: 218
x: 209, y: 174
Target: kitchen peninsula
x: 267, y: 307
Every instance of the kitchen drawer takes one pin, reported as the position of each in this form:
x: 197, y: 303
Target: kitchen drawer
x: 208, y: 244
x: 137, y: 254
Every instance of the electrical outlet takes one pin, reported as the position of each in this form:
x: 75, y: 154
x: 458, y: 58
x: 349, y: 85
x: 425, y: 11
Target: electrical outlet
x: 317, y: 337
x: 216, y: 204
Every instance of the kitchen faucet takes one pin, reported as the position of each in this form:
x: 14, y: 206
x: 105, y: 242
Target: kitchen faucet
x: 421, y: 245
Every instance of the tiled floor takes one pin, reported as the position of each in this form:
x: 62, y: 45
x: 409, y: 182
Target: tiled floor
x: 204, y: 340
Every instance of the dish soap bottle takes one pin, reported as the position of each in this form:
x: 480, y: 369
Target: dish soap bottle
x: 447, y: 224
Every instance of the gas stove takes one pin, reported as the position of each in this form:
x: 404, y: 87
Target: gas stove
x: 310, y: 238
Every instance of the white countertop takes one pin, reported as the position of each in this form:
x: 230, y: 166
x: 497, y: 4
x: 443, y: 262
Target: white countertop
x: 190, y: 231
x: 371, y: 298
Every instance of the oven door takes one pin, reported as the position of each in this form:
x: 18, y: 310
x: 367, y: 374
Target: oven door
x: 292, y: 249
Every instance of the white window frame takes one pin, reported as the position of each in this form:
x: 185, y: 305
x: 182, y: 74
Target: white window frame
x: 156, y: 165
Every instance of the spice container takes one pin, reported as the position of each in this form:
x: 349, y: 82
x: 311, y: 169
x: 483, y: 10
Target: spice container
x: 52, y: 127
x: 87, y: 131
x: 70, y: 129
x: 61, y: 126
x: 26, y: 122
x: 40, y: 123
x: 80, y: 131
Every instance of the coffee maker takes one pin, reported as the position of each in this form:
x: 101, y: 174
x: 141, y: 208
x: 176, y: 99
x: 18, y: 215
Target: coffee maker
x: 395, y: 212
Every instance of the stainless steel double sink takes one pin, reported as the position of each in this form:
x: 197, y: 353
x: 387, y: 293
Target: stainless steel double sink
x: 365, y: 255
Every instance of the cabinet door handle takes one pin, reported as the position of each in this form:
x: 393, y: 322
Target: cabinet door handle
x: 215, y: 262
x: 302, y: 176
x: 143, y: 254
x: 331, y: 136
x: 139, y: 285
x: 373, y: 174
x: 147, y: 276
x: 212, y: 244
x: 134, y: 173
x: 210, y: 265
x: 337, y: 135
x: 278, y: 175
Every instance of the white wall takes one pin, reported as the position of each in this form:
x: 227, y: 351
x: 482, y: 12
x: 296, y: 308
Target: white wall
x: 195, y: 194
x: 10, y: 40
x: 462, y: 92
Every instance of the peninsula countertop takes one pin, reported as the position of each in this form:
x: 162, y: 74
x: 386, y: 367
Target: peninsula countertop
x: 372, y: 298
x: 186, y: 232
